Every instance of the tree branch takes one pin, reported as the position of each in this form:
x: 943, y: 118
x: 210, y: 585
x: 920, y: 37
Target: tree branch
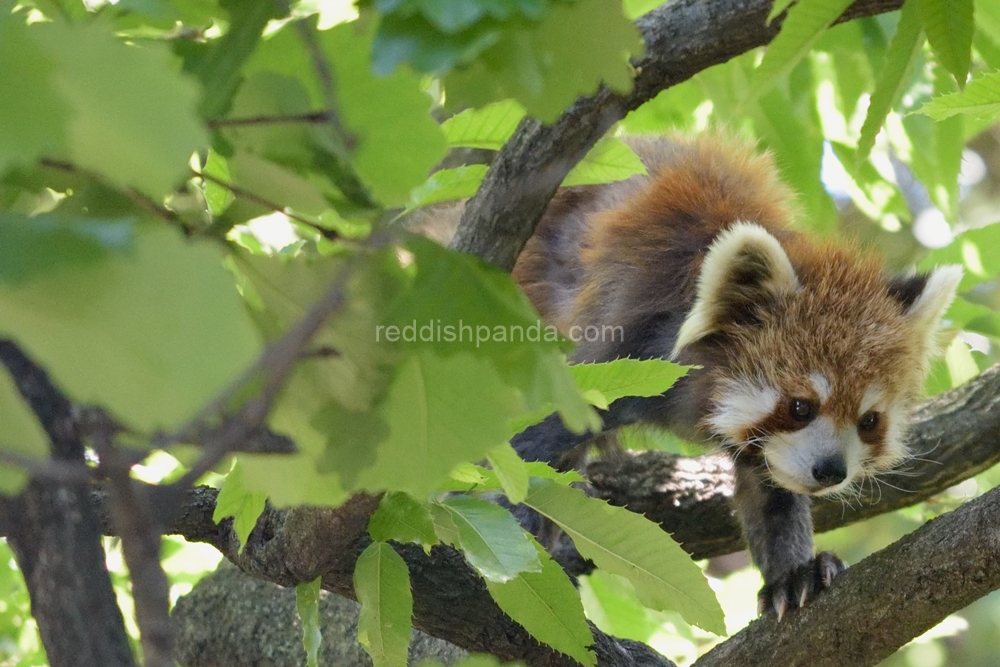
x: 682, y: 38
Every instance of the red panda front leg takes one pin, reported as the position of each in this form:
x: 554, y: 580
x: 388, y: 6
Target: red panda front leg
x: 777, y: 525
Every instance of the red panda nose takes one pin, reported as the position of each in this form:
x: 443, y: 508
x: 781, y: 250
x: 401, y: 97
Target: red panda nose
x: 830, y: 471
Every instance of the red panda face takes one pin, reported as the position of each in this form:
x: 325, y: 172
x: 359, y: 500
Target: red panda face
x: 820, y: 355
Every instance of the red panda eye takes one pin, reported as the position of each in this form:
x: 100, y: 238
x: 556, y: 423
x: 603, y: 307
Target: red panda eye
x: 801, y: 409
x: 869, y: 421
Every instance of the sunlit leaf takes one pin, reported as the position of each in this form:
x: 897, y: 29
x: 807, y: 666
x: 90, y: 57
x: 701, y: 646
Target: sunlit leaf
x: 491, y: 539
x: 949, y: 28
x: 234, y: 500
x: 980, y: 99
x: 488, y: 127
x: 382, y: 584
x: 307, y: 606
x: 402, y: 518
x: 608, y: 161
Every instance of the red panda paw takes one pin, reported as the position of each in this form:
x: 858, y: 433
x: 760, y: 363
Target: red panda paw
x: 800, y: 585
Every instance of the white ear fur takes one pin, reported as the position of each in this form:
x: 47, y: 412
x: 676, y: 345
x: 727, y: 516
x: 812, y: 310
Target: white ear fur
x: 934, y: 299
x: 740, y: 243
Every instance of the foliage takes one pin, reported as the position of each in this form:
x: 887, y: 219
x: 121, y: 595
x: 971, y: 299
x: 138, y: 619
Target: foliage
x: 182, y: 182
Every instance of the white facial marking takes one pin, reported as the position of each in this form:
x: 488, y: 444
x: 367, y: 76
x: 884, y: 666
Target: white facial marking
x: 821, y: 385
x: 792, y: 456
x: 895, y: 443
x: 873, y: 395
x: 741, y: 404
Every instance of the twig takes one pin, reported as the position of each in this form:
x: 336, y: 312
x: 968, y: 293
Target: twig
x: 53, y: 470
x: 312, y: 117
x: 260, y: 201
x: 328, y: 84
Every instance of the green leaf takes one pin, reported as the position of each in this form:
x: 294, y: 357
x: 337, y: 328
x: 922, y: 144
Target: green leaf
x: 32, y: 247
x: 21, y: 434
x: 545, y: 66
x: 132, y: 115
x: 448, y: 185
x: 389, y: 117
x: 980, y: 99
x: 276, y: 184
x: 949, y: 28
x: 628, y: 377
x: 402, y: 518
x: 491, y: 539
x: 307, y: 606
x: 961, y: 366
x: 609, y: 160
x: 634, y: 547
x: 440, y: 412
x: 32, y: 114
x: 548, y: 606
x: 382, y: 585
x: 236, y: 501
x: 151, y: 334
x: 511, y: 471
x: 217, y: 197
x: 975, y: 250
x: 803, y: 26
x: 488, y: 127
x: 777, y: 8
x: 903, y: 52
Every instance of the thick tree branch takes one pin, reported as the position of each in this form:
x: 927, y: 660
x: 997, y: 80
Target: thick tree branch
x: 55, y: 535
x: 884, y: 601
x: 682, y: 38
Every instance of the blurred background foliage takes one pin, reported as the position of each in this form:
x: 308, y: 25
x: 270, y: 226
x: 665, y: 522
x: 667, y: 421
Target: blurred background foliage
x: 842, y: 109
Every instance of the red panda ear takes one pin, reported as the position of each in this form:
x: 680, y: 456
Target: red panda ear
x: 745, y: 267
x: 925, y: 298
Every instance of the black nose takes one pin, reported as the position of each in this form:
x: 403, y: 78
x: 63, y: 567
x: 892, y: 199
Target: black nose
x: 830, y: 471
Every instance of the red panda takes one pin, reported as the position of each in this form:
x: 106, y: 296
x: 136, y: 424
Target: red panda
x: 811, y: 355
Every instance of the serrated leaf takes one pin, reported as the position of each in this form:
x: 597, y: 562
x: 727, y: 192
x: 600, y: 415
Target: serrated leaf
x: 488, y: 127
x: 547, y: 65
x: 609, y: 160
x: 132, y: 115
x: 32, y: 114
x: 307, y: 606
x: 803, y: 26
x: 397, y: 141
x: 903, y: 52
x: 949, y: 28
x: 628, y: 377
x: 634, y: 547
x: 448, y: 185
x: 980, y: 99
x: 236, y: 501
x: 21, y: 434
x: 444, y: 526
x: 402, y: 518
x: 548, y: 606
x: 382, y: 586
x: 440, y: 412
x: 511, y: 472
x: 149, y: 334
x: 491, y: 539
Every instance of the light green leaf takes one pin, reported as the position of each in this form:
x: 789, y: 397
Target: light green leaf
x: 547, y: 65
x: 804, y: 24
x: 21, y: 434
x: 609, y: 160
x: 217, y: 197
x: 132, y: 114
x: 980, y: 99
x: 949, y: 28
x: 402, y: 518
x: 961, y: 366
x: 975, y: 250
x: 276, y: 184
x: 776, y: 9
x: 899, y: 61
x: 491, y: 539
x: 634, y: 547
x: 32, y: 114
x: 440, y: 412
x: 488, y: 127
x: 444, y: 526
x: 151, y: 335
x: 382, y: 585
x: 236, y: 501
x: 628, y: 377
x: 511, y: 472
x: 448, y: 185
x: 548, y: 606
x: 388, y: 117
x: 307, y: 606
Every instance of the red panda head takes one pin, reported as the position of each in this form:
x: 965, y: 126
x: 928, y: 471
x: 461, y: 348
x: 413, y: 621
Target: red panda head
x: 819, y: 354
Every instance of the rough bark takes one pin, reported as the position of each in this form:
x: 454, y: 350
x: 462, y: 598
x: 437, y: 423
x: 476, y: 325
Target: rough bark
x: 682, y: 38
x: 56, y: 537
